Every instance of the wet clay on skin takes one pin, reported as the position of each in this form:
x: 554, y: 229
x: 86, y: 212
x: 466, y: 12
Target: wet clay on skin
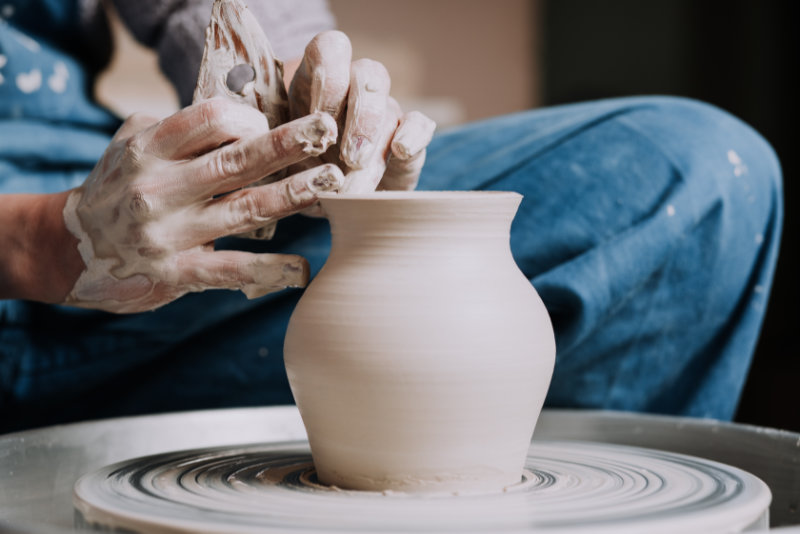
x: 146, y: 240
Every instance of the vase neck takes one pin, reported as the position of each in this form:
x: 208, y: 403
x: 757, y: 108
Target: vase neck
x: 422, y: 215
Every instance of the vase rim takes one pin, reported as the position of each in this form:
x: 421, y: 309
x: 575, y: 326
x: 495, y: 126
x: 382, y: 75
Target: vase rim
x: 418, y: 195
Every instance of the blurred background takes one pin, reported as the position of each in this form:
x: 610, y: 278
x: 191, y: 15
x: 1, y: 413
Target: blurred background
x: 464, y: 60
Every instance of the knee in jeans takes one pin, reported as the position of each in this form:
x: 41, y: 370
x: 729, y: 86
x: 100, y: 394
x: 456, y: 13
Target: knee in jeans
x: 706, y: 128
x: 709, y: 144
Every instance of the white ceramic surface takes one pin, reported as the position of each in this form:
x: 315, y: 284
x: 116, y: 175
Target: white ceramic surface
x: 420, y: 355
x: 569, y: 487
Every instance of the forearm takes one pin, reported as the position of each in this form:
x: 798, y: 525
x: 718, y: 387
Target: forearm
x: 40, y: 259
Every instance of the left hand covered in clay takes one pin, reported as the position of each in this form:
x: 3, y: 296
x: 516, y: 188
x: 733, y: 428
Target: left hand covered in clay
x: 379, y: 147
x: 147, y: 216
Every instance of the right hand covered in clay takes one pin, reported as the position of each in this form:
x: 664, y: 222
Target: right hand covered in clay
x: 380, y: 146
x: 147, y: 216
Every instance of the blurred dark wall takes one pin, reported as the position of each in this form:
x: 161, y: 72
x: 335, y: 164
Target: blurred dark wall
x: 736, y: 54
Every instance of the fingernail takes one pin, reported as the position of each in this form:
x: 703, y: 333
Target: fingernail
x: 295, y: 273
x: 317, y: 134
x: 414, y: 134
x: 304, y: 187
x: 277, y: 276
x: 401, y: 150
x: 357, y: 151
x: 330, y: 178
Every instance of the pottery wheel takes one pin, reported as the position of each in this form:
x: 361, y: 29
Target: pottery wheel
x: 566, y: 487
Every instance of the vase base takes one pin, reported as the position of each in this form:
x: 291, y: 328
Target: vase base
x: 434, y: 487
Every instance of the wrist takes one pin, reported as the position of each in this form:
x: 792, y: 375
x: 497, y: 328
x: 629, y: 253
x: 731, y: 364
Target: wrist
x: 41, y: 259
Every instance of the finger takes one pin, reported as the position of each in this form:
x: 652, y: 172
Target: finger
x: 250, y: 159
x: 409, y: 144
x: 202, y: 127
x: 402, y: 174
x: 323, y: 78
x: 413, y: 134
x: 254, y: 274
x: 253, y: 207
x: 134, y: 124
x: 366, y: 108
x: 367, y: 178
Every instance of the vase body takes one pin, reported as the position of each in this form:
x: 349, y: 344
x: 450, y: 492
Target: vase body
x: 420, y: 355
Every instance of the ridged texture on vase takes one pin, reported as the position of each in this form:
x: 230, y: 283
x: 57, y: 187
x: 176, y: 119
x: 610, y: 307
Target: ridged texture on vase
x: 420, y: 356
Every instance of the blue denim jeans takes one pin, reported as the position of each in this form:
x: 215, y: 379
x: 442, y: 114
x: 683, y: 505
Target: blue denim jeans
x: 649, y: 226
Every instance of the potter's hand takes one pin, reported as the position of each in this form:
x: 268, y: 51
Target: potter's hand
x: 148, y: 214
x: 380, y: 147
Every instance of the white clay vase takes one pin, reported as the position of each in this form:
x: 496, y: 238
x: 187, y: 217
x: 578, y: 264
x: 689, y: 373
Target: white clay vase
x: 420, y: 355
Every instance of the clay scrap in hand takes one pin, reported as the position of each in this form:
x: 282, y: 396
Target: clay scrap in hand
x: 233, y: 39
x: 234, y: 42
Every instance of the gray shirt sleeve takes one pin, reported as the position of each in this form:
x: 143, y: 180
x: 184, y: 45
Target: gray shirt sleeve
x: 176, y: 30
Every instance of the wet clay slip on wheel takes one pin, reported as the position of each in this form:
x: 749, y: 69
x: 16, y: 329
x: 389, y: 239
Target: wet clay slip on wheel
x: 568, y: 487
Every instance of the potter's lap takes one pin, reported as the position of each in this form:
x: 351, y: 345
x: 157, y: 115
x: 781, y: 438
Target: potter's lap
x: 209, y: 350
x: 646, y: 223
x: 608, y: 186
x: 592, y: 174
x: 205, y: 350
x: 481, y: 155
x: 620, y: 185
